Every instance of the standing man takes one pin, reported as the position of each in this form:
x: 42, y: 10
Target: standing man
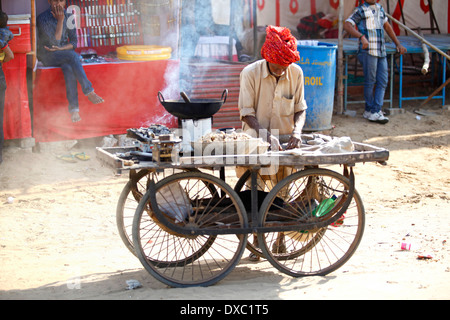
x: 272, y: 103
x: 56, y: 48
x: 271, y: 94
x: 8, y: 55
x: 370, y: 21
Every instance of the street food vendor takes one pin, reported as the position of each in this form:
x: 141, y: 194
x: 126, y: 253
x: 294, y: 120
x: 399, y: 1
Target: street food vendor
x: 272, y: 103
x: 271, y: 94
x: 56, y: 48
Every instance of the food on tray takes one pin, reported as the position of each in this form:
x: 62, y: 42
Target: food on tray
x: 220, y: 142
x: 222, y: 136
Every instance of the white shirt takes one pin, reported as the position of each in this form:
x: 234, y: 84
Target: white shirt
x: 272, y: 103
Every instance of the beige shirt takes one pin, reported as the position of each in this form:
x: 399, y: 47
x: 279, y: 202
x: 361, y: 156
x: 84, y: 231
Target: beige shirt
x: 273, y: 104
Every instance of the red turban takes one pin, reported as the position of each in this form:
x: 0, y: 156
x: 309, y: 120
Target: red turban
x: 280, y: 46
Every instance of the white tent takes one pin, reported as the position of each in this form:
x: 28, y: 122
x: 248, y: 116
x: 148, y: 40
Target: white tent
x: 416, y: 13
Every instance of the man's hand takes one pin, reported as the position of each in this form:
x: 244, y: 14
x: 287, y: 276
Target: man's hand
x: 53, y: 48
x: 299, y: 121
x: 68, y: 46
x: 274, y: 143
x: 294, y: 142
x: 9, y: 55
x: 58, y: 13
x: 364, y: 42
x: 401, y: 49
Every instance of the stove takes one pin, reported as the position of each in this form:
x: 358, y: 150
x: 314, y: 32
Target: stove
x: 193, y: 130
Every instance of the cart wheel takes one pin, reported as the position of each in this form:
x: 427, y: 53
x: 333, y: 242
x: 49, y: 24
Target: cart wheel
x: 195, y: 200
x: 316, y: 251
x: 129, y: 199
x: 264, y: 185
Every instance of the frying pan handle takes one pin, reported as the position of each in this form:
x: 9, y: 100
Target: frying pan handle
x: 224, y: 93
x: 160, y: 97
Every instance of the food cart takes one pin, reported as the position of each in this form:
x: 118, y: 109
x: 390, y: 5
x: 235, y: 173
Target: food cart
x: 191, y: 228
x: 189, y: 223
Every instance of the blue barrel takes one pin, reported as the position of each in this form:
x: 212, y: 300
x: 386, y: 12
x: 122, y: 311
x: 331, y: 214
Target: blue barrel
x: 318, y: 63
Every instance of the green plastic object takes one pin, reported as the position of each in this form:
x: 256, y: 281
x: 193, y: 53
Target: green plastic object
x: 324, y: 207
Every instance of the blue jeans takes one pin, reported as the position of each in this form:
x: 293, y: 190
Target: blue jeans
x: 69, y: 62
x: 375, y: 76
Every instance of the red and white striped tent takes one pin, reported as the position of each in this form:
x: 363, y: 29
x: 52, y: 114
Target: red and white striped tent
x: 287, y: 13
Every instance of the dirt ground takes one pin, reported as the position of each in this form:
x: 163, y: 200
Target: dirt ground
x: 59, y: 239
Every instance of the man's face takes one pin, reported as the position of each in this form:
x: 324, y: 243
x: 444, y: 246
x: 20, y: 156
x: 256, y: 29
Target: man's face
x: 276, y: 69
x: 61, y: 3
x: 370, y: 1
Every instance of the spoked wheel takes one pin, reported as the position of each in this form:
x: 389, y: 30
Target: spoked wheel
x: 129, y: 199
x: 263, y: 184
x: 298, y: 198
x: 197, y: 201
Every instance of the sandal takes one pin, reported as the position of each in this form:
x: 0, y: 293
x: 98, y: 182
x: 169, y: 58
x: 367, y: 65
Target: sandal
x: 254, y: 257
x: 81, y: 156
x: 67, y: 158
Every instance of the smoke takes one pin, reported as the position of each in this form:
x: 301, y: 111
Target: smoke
x: 170, y: 91
x: 171, y: 80
x: 165, y: 118
x: 209, y: 20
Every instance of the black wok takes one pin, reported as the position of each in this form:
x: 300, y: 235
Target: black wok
x: 195, y: 109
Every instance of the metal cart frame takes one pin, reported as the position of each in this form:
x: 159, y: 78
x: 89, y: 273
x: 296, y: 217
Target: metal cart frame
x: 203, y: 246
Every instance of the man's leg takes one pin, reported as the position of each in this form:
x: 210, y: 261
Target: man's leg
x: 380, y: 84
x: 369, y: 71
x: 71, y: 91
x: 80, y: 74
x: 71, y: 58
x: 373, y: 108
x: 381, y: 79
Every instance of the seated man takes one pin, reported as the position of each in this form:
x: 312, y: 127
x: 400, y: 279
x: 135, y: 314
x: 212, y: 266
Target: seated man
x: 57, y: 41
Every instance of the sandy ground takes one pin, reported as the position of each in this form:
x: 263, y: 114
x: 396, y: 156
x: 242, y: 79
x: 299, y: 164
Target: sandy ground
x: 59, y: 239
